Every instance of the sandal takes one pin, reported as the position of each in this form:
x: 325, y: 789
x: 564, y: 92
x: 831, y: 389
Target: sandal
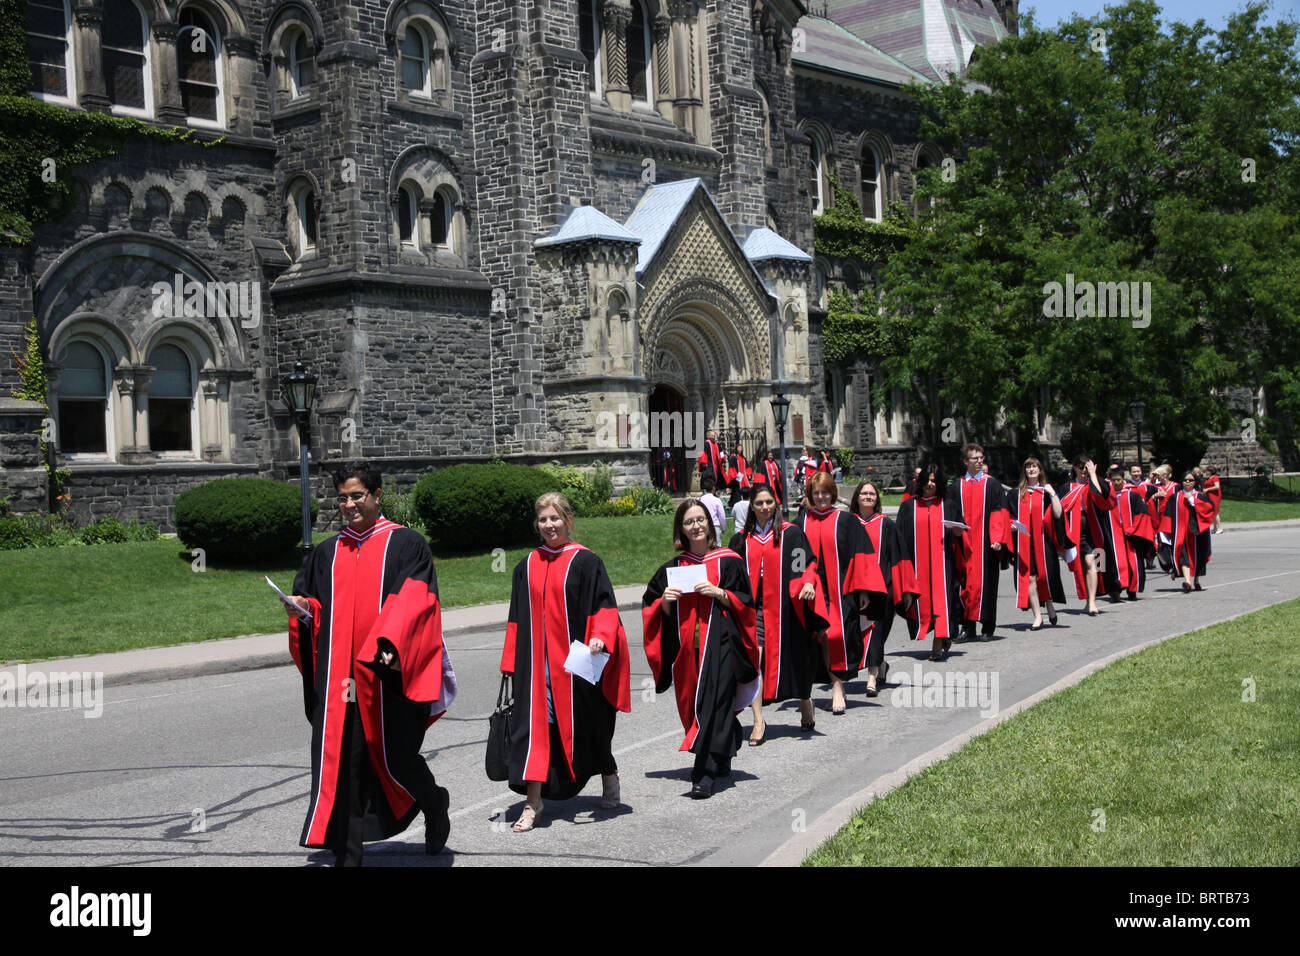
x: 755, y: 741
x: 809, y: 724
x: 528, y: 819
x: 609, y: 795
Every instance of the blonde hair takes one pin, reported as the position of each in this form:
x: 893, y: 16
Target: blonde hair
x: 556, y: 500
x: 1164, y: 471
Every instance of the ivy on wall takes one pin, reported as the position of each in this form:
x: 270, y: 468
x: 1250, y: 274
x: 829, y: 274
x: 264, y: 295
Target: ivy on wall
x: 43, y: 142
x: 842, y: 233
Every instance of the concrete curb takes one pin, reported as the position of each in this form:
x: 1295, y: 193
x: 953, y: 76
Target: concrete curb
x: 253, y: 651
x: 794, y: 850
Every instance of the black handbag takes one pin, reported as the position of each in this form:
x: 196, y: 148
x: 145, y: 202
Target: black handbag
x: 497, y: 760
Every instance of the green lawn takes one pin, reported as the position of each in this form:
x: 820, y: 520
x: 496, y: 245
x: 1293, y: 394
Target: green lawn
x: 1185, y: 772
x: 1234, y: 509
x: 113, y: 597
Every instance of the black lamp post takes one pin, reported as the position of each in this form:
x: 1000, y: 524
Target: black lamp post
x: 299, y: 390
x: 781, y: 412
x: 1136, y: 408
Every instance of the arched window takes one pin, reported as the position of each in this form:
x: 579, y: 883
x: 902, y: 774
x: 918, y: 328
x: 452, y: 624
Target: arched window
x: 300, y: 59
x: 49, y: 50
x: 198, y: 48
x: 820, y: 282
x: 639, y: 45
x: 441, y: 225
x: 171, y: 401
x: 125, y: 49
x: 923, y: 162
x: 415, y: 60
x: 589, y: 41
x: 767, y: 127
x: 83, y: 401
x: 408, y: 216
x: 301, y: 215
x: 872, y: 193
x: 819, y: 190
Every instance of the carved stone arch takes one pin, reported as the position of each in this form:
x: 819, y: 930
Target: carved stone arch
x: 285, y: 15
x: 228, y: 20
x: 429, y: 166
x: 234, y: 211
x: 156, y: 204
x: 116, y: 203
x: 291, y: 180
x: 738, y: 340
x: 878, y: 141
x: 98, y: 328
x: 394, y: 16
x: 114, y: 276
x: 207, y: 349
x: 197, y: 206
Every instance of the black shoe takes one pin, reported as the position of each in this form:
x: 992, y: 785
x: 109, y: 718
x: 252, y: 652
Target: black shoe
x: 947, y: 645
x: 1132, y: 596
x: 1035, y: 627
x: 437, y: 830
x: 703, y: 789
x: 985, y: 638
x: 882, y: 676
x: 1052, y: 618
x: 1115, y: 599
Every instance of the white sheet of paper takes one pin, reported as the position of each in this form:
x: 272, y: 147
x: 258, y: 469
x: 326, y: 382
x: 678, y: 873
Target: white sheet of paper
x: 305, y: 615
x: 686, y: 577
x: 1019, y: 527
x: 960, y: 526
x: 582, y: 663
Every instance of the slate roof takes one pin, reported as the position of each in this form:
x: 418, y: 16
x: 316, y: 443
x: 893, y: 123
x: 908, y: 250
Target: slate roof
x: 585, y: 223
x: 763, y: 244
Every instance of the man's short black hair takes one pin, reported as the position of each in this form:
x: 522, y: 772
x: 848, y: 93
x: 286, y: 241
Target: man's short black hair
x: 707, y: 485
x: 362, y: 471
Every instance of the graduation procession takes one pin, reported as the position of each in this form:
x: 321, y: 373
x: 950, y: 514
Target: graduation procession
x: 784, y: 607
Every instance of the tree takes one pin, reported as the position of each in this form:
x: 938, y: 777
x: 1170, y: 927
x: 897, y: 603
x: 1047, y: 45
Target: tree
x: 1101, y: 232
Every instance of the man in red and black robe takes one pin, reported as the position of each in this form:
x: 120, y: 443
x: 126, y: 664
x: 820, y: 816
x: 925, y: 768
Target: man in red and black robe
x: 375, y: 675
x: 1128, y: 527
x: 558, y: 596
x: 984, y: 547
x: 739, y: 476
x: 667, y: 473
x: 928, y: 544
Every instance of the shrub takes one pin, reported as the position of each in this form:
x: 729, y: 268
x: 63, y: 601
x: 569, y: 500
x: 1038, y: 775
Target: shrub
x: 475, y: 507
x: 652, y: 501
x: 621, y: 508
x: 602, y: 483
x: 843, y: 457
x: 399, y: 507
x: 241, y: 520
x: 107, y: 530
x: 37, y: 530
x: 576, y: 486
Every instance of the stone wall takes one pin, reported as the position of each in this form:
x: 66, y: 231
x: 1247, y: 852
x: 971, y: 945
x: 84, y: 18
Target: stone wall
x: 146, y: 493
x: 23, y: 477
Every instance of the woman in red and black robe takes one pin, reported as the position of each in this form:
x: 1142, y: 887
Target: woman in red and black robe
x: 1087, y: 498
x: 1127, y: 527
x: 849, y: 579
x: 564, y: 726
x: 701, y: 643
x: 1214, y: 491
x: 1038, y: 510
x: 787, y: 595
x: 929, y: 546
x: 895, y: 570
x: 1190, y: 513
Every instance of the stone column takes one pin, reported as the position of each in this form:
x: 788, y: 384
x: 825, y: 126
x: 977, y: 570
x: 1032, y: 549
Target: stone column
x: 168, y: 108
x: 91, y: 92
x: 663, y: 28
x: 209, y: 425
x: 240, y: 66
x: 615, y: 17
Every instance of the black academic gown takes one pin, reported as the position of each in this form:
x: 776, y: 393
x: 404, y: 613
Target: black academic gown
x: 348, y: 579
x: 776, y: 577
x: 1043, y: 532
x: 558, y: 596
x: 705, y: 652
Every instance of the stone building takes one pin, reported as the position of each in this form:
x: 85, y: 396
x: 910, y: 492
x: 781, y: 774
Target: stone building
x: 489, y: 226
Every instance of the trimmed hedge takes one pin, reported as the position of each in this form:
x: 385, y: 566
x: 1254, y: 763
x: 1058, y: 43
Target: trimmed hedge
x: 477, y: 507
x: 241, y: 520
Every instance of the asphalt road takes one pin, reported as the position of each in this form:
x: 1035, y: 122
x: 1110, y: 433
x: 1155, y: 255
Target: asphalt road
x: 213, y: 771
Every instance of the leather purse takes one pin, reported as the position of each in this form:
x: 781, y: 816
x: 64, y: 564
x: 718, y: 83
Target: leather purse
x: 497, y: 760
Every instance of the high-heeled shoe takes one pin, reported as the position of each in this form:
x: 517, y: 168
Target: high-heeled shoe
x: 610, y: 791
x: 1051, y: 617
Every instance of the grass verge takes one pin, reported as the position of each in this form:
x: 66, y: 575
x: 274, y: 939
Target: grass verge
x: 102, y: 598
x: 1156, y: 760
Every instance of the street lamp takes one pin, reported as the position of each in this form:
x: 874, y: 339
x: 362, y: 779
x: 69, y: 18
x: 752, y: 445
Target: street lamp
x: 299, y: 390
x: 1135, y: 409
x: 781, y: 412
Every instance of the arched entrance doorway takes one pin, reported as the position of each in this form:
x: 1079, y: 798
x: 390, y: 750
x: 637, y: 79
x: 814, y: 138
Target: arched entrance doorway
x: 669, y: 467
